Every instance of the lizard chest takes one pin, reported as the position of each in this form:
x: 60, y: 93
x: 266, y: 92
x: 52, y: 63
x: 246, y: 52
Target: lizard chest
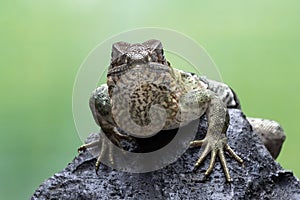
x: 144, y: 100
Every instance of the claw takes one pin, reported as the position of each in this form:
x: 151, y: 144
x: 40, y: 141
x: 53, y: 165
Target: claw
x: 89, y: 145
x: 105, y: 147
x: 215, y: 149
x: 97, y: 167
x: 81, y: 148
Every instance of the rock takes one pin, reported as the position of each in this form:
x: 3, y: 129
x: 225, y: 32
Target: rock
x: 261, y: 177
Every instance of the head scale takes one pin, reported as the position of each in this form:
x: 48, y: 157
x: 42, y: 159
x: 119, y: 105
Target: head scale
x: 126, y: 53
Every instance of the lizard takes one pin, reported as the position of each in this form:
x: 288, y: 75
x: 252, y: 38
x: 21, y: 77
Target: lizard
x: 145, y: 94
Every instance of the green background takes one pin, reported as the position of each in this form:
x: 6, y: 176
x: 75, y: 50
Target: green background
x: 255, y: 44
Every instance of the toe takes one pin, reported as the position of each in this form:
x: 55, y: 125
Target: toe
x: 212, y: 163
x: 233, y: 154
x: 196, y: 143
x: 224, y: 165
x: 202, y: 157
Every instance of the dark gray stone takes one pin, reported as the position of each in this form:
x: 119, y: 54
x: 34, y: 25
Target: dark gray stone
x: 260, y: 178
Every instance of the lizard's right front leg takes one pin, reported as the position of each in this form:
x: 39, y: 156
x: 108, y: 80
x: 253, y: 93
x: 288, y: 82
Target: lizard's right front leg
x: 101, y: 109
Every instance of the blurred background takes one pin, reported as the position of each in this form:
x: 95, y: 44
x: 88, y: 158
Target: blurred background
x: 255, y: 44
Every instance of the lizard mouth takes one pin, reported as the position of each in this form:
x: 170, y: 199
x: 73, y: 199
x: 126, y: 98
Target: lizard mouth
x: 119, y: 70
x: 152, y: 66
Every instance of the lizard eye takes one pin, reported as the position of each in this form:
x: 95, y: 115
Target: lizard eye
x: 127, y: 60
x: 120, y: 61
x: 153, y: 57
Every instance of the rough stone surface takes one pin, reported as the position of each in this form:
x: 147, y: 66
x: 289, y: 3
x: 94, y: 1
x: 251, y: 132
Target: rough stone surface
x: 260, y: 178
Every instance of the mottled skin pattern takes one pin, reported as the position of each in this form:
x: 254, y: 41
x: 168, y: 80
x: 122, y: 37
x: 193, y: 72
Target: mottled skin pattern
x: 144, y: 95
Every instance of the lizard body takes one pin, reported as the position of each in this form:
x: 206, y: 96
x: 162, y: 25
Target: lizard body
x: 145, y: 94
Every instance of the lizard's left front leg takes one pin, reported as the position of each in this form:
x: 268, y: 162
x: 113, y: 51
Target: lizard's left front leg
x: 215, y: 141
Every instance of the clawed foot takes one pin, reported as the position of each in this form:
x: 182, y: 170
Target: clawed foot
x: 106, y: 147
x: 216, y: 147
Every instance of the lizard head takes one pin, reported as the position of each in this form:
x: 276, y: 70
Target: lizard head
x: 125, y: 56
x: 138, y: 78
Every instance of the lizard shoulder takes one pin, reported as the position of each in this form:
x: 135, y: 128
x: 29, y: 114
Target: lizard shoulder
x: 188, y: 80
